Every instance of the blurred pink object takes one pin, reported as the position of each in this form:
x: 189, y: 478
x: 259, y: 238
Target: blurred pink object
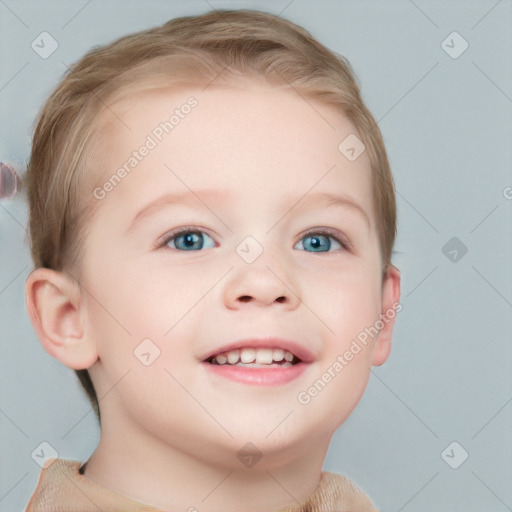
x: 9, y: 181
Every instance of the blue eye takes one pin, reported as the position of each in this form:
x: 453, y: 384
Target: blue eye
x: 188, y: 240
x: 321, y: 242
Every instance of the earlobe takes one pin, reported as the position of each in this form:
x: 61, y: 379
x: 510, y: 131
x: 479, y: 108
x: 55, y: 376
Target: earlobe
x: 390, y: 308
x: 54, y: 305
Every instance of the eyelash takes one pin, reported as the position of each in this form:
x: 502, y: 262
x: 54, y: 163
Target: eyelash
x: 345, y: 244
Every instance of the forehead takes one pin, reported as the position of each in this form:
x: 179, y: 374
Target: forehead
x: 256, y: 140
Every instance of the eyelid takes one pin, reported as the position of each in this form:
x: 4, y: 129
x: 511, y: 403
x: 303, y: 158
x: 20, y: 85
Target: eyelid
x: 340, y: 237
x: 165, y: 239
x: 335, y: 233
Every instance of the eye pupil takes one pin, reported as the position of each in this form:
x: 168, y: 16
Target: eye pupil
x: 194, y: 240
x: 315, y: 242
x: 318, y: 241
x: 188, y: 240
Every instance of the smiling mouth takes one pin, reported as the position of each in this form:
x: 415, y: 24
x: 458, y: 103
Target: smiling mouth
x: 255, y: 358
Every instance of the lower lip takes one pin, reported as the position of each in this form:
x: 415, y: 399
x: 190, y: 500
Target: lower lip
x: 271, y: 376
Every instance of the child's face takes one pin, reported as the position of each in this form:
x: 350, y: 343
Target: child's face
x: 251, y: 163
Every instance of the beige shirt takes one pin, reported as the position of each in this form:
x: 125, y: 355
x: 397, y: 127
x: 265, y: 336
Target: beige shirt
x: 61, y: 488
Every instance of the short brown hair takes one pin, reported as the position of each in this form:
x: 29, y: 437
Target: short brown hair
x: 218, y: 46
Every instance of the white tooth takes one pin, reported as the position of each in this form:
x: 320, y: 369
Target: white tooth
x: 264, y: 356
x: 286, y: 364
x: 278, y: 354
x: 248, y: 355
x: 221, y: 359
x: 288, y: 356
x: 233, y: 356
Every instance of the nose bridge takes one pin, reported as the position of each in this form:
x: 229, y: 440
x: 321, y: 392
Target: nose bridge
x: 261, y: 276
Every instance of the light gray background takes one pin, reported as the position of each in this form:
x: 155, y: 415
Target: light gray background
x: 447, y: 125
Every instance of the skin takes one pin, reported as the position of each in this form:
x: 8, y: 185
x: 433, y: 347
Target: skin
x: 171, y: 431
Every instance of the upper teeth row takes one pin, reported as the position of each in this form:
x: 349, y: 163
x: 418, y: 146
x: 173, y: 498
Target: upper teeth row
x: 251, y: 355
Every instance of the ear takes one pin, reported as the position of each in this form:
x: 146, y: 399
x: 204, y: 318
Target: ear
x: 390, y: 307
x: 54, y: 305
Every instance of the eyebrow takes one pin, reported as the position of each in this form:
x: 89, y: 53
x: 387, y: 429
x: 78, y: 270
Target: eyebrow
x: 222, y: 196
x: 175, y: 198
x: 327, y: 199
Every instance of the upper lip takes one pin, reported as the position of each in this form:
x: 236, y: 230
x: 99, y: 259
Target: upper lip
x: 297, y: 349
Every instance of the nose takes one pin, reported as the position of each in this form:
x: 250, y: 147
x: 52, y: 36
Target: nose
x: 260, y: 285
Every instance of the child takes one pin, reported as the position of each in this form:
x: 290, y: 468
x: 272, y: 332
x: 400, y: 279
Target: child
x: 212, y: 217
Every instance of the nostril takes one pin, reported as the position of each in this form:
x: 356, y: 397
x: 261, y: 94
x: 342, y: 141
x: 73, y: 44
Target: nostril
x: 247, y: 298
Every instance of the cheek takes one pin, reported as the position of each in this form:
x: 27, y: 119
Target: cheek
x: 349, y: 302
x: 137, y: 314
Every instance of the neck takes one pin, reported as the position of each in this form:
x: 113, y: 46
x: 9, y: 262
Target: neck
x: 143, y: 468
